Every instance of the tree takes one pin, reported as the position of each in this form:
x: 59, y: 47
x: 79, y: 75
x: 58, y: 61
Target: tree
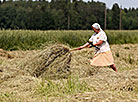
x: 115, y: 16
x: 63, y: 14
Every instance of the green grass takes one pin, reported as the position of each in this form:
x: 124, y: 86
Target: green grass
x: 30, y: 40
x: 122, y: 37
x: 72, y: 85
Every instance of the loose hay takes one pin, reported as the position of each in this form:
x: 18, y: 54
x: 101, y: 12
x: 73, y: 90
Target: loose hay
x: 52, y: 62
x: 4, y: 53
x: 106, y: 85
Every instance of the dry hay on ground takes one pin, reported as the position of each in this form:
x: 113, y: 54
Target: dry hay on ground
x: 52, y: 62
x: 105, y: 84
x: 4, y: 53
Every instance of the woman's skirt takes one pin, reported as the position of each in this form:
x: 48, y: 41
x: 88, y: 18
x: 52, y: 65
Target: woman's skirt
x: 102, y: 59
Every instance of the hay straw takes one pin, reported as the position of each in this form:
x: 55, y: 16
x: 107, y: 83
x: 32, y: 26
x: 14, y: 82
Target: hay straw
x: 52, y: 62
x: 4, y: 53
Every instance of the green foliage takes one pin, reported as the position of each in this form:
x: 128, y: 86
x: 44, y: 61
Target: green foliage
x: 115, y: 16
x: 63, y: 15
x: 74, y: 38
x: 30, y: 40
x: 122, y: 37
x: 129, y: 20
x: 57, y: 14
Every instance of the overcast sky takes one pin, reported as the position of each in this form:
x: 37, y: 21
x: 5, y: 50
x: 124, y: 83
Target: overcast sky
x: 124, y: 3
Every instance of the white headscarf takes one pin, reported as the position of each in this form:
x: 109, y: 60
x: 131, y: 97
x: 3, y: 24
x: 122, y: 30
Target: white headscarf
x: 96, y: 26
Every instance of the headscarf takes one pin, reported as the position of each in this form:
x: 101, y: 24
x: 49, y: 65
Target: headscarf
x: 96, y: 26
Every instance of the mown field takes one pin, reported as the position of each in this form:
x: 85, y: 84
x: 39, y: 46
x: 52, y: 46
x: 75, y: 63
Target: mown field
x: 22, y: 51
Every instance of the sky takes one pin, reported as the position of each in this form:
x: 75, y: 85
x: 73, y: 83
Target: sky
x: 123, y: 3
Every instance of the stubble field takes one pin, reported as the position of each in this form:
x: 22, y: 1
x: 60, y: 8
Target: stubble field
x: 54, y: 74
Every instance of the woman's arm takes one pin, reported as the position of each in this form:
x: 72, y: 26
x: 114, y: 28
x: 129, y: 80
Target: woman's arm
x: 85, y: 45
x: 99, y: 43
x: 81, y: 47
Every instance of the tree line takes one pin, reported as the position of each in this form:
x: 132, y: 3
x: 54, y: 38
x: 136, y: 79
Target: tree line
x: 65, y: 15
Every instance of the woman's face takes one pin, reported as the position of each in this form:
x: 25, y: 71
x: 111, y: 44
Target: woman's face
x: 95, y: 30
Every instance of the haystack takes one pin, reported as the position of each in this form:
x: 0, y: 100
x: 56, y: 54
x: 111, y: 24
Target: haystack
x: 52, y: 62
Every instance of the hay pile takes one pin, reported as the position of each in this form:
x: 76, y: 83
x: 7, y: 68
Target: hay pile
x: 52, y: 62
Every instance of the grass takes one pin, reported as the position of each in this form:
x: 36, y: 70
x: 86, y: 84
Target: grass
x: 31, y: 39
x: 102, y: 84
x: 122, y: 37
x: 125, y: 69
x: 70, y: 86
x: 136, y: 87
x: 9, y: 97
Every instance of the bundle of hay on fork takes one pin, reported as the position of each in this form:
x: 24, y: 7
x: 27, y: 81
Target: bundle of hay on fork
x: 52, y: 62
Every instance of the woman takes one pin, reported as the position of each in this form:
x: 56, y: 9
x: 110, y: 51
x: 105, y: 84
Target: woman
x: 103, y: 55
